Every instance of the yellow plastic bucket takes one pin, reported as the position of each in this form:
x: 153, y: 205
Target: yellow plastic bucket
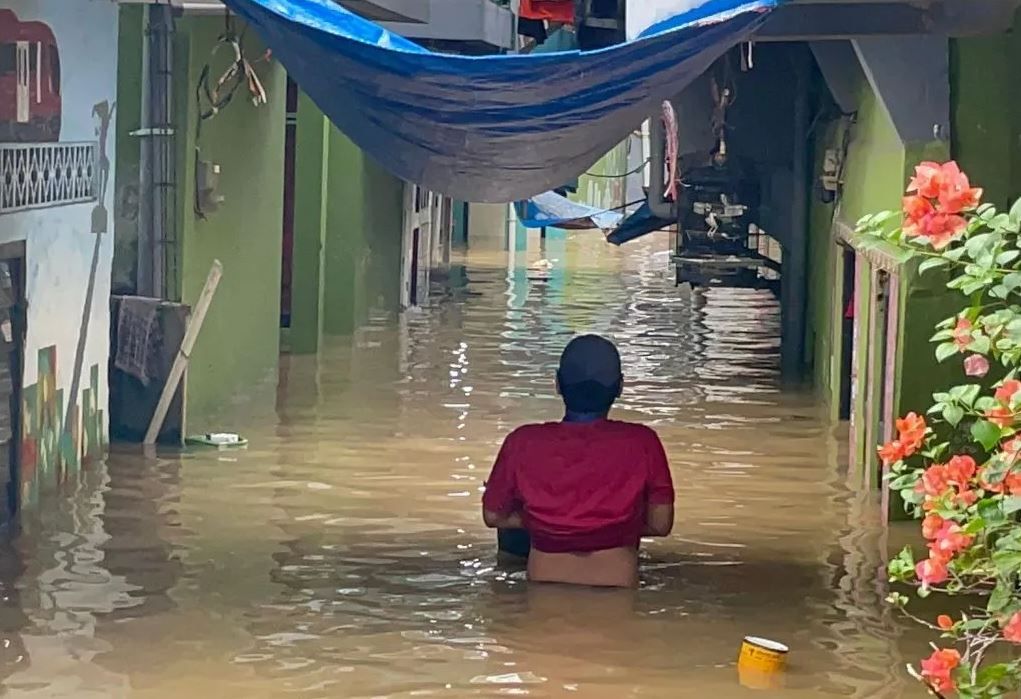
x: 762, y: 657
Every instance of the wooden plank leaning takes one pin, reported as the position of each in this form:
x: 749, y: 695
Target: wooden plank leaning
x: 184, y: 353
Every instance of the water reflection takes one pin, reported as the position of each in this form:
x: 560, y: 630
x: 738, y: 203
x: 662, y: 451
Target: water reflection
x: 341, y: 554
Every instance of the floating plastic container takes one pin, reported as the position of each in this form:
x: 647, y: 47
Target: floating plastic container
x: 218, y: 440
x: 761, y: 663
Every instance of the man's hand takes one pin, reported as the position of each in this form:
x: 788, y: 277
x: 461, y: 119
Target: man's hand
x: 494, y: 520
x: 659, y: 520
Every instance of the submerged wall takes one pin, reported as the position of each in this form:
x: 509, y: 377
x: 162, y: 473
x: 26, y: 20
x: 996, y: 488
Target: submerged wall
x: 234, y: 362
x: 347, y: 234
x: 69, y: 115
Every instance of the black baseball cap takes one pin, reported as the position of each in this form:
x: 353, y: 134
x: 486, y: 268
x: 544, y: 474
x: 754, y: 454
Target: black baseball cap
x: 590, y: 359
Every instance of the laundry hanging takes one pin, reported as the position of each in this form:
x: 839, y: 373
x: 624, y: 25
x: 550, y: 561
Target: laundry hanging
x: 551, y: 10
x: 489, y: 128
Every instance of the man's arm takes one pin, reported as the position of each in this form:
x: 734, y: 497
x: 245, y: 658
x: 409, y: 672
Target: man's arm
x: 495, y: 520
x: 500, y: 505
x: 659, y: 520
x: 659, y: 493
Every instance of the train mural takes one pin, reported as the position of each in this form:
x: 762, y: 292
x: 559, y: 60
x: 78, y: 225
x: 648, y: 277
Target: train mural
x: 30, y: 104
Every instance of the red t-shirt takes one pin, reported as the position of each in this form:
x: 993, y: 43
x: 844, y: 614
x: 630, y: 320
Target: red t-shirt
x: 580, y: 486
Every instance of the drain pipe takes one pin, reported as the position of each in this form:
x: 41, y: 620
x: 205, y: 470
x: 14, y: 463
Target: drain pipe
x: 659, y: 205
x: 156, y: 153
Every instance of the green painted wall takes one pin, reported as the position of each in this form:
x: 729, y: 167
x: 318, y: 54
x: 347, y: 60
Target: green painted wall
x: 129, y: 118
x: 986, y: 103
x: 364, y: 219
x: 873, y: 181
x: 235, y: 360
x: 347, y: 237
x: 312, y: 147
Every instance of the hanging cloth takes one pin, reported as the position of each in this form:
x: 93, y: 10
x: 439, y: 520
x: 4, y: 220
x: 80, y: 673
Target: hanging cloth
x: 552, y: 10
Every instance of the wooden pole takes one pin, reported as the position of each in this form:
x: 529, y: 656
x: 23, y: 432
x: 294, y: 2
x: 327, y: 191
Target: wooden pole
x: 184, y: 353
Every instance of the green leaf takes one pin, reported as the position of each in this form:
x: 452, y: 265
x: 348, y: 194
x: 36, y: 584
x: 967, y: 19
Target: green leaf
x: 1011, y: 504
x: 932, y: 263
x: 980, y: 344
x: 986, y: 433
x: 1000, y: 597
x: 974, y: 526
x: 1012, y: 281
x: 966, y: 394
x: 1005, y: 258
x: 953, y: 415
x: 1015, y: 215
x: 947, y: 349
x: 1007, y: 562
x: 985, y: 403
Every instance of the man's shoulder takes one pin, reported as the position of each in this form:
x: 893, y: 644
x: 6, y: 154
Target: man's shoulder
x: 633, y: 429
x: 535, y: 429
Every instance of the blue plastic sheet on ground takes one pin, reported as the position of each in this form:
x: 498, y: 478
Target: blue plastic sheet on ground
x: 489, y: 128
x: 551, y: 210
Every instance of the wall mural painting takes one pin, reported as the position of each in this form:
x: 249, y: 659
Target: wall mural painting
x: 30, y: 99
x: 49, y: 455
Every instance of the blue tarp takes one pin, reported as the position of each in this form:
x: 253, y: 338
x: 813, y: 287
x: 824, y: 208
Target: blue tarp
x: 489, y: 128
x: 551, y: 210
x: 640, y: 223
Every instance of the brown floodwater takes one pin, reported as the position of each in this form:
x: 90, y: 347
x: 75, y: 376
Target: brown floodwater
x: 342, y: 553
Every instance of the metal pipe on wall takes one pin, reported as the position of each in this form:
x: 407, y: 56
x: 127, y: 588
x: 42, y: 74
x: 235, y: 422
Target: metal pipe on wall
x: 156, y: 155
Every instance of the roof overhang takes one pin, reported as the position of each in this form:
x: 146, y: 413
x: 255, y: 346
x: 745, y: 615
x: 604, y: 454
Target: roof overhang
x: 818, y: 20
x: 409, y: 11
x: 462, y: 26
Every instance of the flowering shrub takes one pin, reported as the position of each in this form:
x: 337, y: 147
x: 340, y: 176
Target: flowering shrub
x: 959, y: 468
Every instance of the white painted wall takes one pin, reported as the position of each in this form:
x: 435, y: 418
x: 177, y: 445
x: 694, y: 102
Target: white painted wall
x: 642, y: 14
x: 59, y: 240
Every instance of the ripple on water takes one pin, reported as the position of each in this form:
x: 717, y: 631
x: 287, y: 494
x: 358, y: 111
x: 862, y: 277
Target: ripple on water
x: 342, y: 555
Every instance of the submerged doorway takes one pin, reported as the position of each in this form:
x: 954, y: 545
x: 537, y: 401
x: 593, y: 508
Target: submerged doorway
x: 287, y: 252
x: 12, y: 357
x: 847, y: 331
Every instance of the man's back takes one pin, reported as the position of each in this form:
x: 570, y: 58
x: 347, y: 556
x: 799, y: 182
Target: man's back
x: 581, y: 487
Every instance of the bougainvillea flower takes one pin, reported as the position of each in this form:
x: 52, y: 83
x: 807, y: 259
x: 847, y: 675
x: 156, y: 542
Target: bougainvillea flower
x: 931, y: 525
x: 941, y: 229
x: 935, y: 481
x: 1001, y: 416
x: 928, y: 179
x: 932, y: 571
x: 961, y: 469
x: 950, y: 540
x: 916, y: 208
x: 976, y: 365
x: 1007, y: 390
x: 911, y: 432
x: 1012, y: 629
x: 944, y: 622
x: 962, y: 334
x: 892, y: 453
x: 917, y: 211
x: 955, y: 191
x: 937, y: 669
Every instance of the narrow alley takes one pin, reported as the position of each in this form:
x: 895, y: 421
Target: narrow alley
x: 342, y: 553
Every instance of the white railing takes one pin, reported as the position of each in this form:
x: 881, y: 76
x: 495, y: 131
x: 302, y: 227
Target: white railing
x: 38, y: 175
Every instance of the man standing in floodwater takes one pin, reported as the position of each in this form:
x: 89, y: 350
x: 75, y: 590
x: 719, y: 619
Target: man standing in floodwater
x: 588, y: 488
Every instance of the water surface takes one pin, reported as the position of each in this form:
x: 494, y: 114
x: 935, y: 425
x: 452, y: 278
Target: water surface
x: 342, y: 554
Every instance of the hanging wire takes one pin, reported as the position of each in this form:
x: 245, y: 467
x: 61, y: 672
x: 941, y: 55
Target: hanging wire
x: 212, y: 98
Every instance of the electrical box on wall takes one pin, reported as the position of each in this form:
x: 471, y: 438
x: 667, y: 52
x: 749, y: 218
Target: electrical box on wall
x: 207, y: 186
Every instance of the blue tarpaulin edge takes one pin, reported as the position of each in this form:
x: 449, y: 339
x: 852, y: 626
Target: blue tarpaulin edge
x: 552, y: 210
x: 489, y: 128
